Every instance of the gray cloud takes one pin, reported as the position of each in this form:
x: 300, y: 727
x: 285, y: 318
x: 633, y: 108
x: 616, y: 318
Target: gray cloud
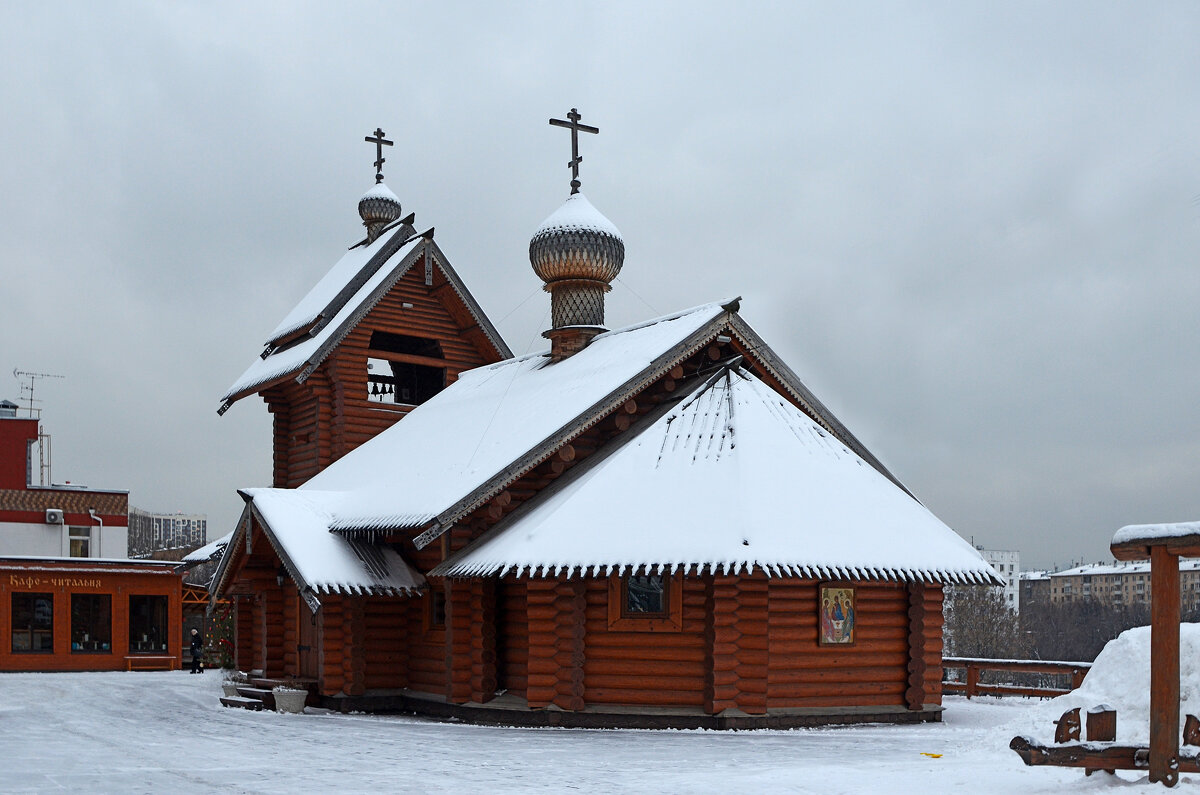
x: 972, y: 231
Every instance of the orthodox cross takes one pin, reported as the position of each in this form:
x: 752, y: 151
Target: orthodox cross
x: 379, y: 142
x: 575, y: 127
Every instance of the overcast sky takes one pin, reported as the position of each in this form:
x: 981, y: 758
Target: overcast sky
x: 973, y: 230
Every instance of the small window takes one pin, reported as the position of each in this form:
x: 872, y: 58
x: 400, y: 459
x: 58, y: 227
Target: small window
x: 644, y: 595
x: 32, y: 622
x: 80, y: 541
x: 147, y: 624
x: 437, y: 609
x: 91, y: 623
x: 646, y: 603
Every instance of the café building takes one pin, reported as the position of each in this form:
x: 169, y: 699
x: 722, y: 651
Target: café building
x: 71, y: 614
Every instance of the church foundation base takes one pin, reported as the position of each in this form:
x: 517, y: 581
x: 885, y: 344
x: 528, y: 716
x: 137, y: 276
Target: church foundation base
x: 512, y: 711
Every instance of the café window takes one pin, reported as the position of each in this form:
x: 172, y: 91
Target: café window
x: 32, y: 622
x: 80, y: 540
x: 147, y: 623
x: 406, y: 382
x: 646, y: 603
x: 91, y: 622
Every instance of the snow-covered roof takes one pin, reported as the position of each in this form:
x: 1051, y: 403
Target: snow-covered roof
x: 289, y: 359
x: 339, y: 301
x: 325, y: 291
x: 492, y: 424
x: 732, y: 478
x: 320, y: 561
x: 577, y: 214
x: 1139, y: 532
x: 209, y: 551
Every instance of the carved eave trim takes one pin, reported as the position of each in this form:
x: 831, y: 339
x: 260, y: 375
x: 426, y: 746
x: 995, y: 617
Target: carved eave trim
x: 231, y: 551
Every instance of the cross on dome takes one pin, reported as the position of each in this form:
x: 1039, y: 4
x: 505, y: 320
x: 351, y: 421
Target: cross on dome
x: 379, y: 142
x: 575, y: 127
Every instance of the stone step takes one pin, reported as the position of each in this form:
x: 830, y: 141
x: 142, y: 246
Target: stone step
x: 261, y: 693
x: 244, y: 703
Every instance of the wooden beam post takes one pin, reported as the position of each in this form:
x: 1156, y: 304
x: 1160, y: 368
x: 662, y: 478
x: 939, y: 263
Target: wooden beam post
x: 1164, y: 662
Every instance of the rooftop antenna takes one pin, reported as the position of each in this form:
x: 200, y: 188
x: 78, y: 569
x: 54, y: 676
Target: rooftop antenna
x: 28, y: 389
x: 43, y: 438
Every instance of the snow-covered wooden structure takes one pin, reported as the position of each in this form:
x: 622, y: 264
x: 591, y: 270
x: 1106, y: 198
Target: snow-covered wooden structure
x: 656, y: 525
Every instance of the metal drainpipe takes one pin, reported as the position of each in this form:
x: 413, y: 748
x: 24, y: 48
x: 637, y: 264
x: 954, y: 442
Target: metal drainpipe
x: 92, y: 513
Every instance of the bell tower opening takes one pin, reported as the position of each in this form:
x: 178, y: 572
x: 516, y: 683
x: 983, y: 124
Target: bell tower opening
x: 403, y: 369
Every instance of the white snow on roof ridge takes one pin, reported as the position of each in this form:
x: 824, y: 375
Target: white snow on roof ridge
x: 317, y: 299
x: 1165, y: 530
x: 492, y: 416
x: 577, y: 214
x: 290, y: 359
x: 732, y: 478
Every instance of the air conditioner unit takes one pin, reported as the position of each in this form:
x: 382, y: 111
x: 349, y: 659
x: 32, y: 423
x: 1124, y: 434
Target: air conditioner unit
x: 54, y: 516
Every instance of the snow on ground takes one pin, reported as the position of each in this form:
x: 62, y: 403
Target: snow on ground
x: 1120, y: 678
x: 166, y: 731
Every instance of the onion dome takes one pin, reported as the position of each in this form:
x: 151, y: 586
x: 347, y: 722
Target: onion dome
x: 577, y: 252
x: 378, y: 207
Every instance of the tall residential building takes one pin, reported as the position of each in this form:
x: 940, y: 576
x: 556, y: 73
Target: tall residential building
x: 150, y: 532
x: 1007, y: 563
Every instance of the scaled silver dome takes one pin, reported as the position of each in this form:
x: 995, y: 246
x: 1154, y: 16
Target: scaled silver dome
x: 577, y: 242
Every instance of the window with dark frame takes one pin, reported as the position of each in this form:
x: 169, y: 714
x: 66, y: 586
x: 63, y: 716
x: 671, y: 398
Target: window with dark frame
x: 32, y: 622
x: 645, y: 596
x: 91, y: 623
x: 147, y: 624
x: 437, y: 609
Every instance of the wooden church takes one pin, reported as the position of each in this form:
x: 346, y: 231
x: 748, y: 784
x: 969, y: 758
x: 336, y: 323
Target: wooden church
x: 658, y: 525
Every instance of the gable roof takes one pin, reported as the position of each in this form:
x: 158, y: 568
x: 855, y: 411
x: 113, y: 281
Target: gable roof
x: 731, y: 478
x: 340, y: 300
x: 317, y: 561
x: 497, y: 422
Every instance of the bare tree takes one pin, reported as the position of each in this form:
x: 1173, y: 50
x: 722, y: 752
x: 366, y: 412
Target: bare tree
x: 979, y: 624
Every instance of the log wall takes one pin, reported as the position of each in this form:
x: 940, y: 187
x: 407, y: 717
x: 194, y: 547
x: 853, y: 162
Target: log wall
x: 385, y: 622
x: 652, y: 668
x: 556, y: 611
x: 737, y: 631
x: 872, y: 672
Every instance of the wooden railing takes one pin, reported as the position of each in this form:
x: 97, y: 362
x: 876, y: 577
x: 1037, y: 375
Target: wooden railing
x: 1072, y: 672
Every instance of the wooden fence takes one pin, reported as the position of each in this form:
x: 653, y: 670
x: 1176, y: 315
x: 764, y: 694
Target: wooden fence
x: 1012, y: 677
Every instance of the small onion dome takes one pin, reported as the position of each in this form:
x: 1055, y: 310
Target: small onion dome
x: 577, y: 242
x: 379, y: 206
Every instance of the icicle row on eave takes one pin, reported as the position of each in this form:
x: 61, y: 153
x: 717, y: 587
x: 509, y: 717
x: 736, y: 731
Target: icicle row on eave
x: 724, y: 568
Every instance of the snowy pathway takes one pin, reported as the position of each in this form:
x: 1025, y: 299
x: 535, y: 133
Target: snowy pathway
x: 159, y: 732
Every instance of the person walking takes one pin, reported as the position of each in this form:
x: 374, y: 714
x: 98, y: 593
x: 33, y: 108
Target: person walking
x: 197, y: 652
